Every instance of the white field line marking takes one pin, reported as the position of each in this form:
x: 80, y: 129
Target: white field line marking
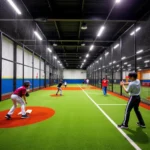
x: 113, y: 104
x: 28, y: 111
x: 113, y: 123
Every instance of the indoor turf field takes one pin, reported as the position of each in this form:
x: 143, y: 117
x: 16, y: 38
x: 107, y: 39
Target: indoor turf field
x: 81, y: 119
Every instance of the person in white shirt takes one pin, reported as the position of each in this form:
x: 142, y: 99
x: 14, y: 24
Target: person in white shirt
x: 134, y: 89
x: 65, y: 84
x: 87, y: 81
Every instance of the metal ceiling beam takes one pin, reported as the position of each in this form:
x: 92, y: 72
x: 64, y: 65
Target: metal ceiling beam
x: 72, y: 46
x: 82, y: 10
x: 83, y: 1
x: 70, y: 53
x: 75, y: 40
x: 69, y: 20
x: 72, y: 57
x: 56, y: 26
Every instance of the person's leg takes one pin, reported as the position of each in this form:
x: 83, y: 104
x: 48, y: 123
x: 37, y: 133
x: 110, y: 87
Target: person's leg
x: 60, y: 91
x: 57, y: 91
x: 129, y: 107
x: 103, y: 88
x: 20, y: 101
x: 11, y: 111
x: 138, y: 113
x: 106, y: 91
x: 22, y: 104
x: 13, y: 98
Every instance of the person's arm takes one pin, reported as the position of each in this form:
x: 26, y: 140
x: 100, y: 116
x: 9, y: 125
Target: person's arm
x: 123, y: 85
x: 24, y: 97
x: 128, y: 89
x: 107, y: 82
x: 126, y: 83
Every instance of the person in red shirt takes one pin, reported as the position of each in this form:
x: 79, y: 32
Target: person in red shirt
x: 16, y: 97
x: 104, y: 86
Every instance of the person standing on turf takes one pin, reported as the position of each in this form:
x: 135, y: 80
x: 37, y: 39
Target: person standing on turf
x: 133, y: 89
x: 104, y: 86
x: 16, y: 97
x: 59, y: 88
x: 65, y: 84
x: 87, y: 82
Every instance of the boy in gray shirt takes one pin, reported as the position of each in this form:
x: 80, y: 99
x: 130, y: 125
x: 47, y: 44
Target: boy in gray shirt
x: 133, y: 89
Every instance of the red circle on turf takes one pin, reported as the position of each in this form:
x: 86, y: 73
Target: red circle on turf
x: 38, y: 114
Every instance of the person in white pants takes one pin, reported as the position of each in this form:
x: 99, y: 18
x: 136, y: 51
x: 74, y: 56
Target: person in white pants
x: 59, y: 88
x: 16, y: 97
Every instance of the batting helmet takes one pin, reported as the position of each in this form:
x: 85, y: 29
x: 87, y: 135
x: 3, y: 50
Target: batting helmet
x: 26, y: 83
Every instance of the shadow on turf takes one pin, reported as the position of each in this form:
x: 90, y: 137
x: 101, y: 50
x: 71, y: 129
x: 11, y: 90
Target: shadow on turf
x: 139, y: 135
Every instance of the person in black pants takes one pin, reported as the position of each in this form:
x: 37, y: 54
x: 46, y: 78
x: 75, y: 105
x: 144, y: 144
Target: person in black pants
x: 59, y: 88
x: 133, y: 89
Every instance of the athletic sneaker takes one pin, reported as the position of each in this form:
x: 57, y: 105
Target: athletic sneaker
x: 8, y: 117
x: 24, y: 116
x: 122, y: 126
x: 140, y: 125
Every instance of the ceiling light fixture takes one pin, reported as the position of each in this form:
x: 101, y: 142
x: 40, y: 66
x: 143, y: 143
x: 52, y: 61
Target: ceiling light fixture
x: 106, y: 53
x: 54, y: 57
x: 100, y: 31
x: 37, y: 35
x: 140, y: 51
x: 91, y: 47
x: 146, y: 61
x: 84, y: 26
x: 139, y: 58
x: 136, y: 30
x: 49, y: 50
x: 123, y: 58
x: 118, y: 1
x: 54, y: 44
x: 117, y: 45
x: 87, y: 55
x: 14, y: 6
x: 82, y: 44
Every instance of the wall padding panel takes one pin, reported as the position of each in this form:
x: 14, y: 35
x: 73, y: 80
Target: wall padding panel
x: 27, y: 72
x: 27, y: 58
x: 19, y: 71
x: 36, y: 62
x: 19, y: 54
x: 7, y: 69
x: 7, y: 48
x: 74, y: 74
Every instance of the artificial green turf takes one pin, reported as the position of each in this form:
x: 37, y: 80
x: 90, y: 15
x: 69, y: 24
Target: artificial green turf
x: 76, y: 125
x: 140, y: 136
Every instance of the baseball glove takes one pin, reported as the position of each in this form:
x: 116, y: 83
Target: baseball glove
x: 27, y: 94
